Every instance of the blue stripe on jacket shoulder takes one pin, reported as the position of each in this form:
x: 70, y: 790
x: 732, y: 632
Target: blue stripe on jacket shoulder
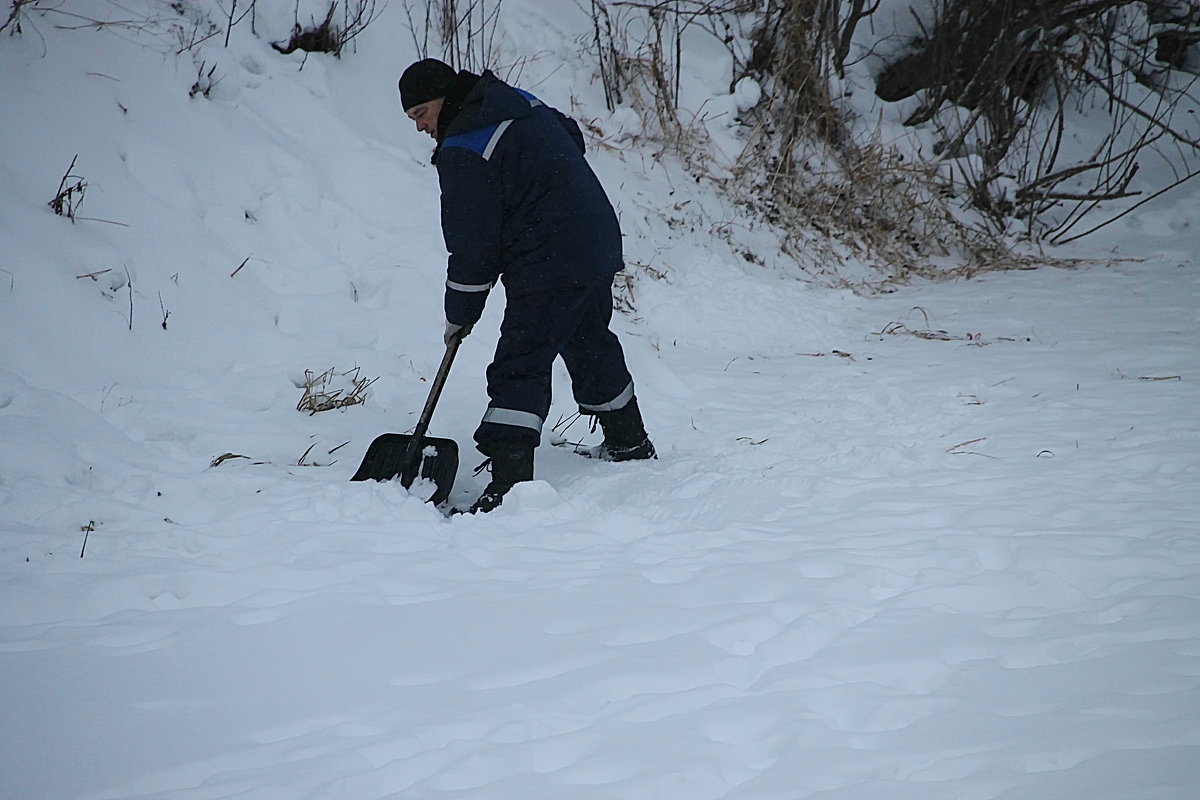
x: 476, y: 141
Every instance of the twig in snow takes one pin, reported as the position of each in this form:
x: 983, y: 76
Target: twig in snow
x: 87, y: 529
x: 105, y: 221
x: 229, y: 26
x: 93, y: 275
x: 221, y: 459
x: 205, y: 82
x: 958, y: 451
x: 300, y: 461
x: 303, y: 462
x: 70, y: 194
x: 14, y: 17
x: 129, y: 285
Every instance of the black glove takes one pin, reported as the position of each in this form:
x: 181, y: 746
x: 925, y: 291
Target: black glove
x: 462, y: 330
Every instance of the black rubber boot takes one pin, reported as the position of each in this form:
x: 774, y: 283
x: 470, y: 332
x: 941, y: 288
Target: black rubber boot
x: 512, y: 463
x: 625, y: 437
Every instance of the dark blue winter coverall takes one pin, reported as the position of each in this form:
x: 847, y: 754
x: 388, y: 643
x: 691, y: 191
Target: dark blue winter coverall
x: 521, y: 205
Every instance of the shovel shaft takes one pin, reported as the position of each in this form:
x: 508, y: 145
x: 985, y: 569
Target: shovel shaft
x: 435, y: 391
x: 412, y: 455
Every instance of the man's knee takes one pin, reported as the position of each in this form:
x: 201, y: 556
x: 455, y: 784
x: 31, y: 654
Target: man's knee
x: 502, y: 425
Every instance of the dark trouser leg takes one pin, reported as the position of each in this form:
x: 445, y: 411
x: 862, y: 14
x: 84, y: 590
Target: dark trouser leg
x: 601, y: 381
x: 537, y: 327
x: 595, y: 361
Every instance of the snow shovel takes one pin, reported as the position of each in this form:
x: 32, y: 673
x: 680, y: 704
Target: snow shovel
x: 410, y: 455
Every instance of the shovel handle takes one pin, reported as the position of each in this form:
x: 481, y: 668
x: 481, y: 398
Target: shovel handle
x: 439, y: 382
x: 412, y: 460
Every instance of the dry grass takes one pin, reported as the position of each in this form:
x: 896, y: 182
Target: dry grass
x: 625, y: 284
x: 70, y: 194
x: 221, y: 459
x: 321, y: 395
x: 306, y: 461
x: 898, y: 328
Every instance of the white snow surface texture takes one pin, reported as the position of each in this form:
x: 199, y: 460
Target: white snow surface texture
x: 868, y: 565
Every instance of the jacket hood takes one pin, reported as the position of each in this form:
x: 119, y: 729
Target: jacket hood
x: 489, y: 102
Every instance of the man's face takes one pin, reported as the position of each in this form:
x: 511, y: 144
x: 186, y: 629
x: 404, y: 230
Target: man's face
x: 426, y: 116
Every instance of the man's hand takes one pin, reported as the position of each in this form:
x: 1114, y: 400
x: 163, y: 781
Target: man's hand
x: 462, y: 330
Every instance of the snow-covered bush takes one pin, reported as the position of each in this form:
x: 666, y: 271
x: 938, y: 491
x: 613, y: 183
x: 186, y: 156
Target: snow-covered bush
x: 1010, y: 83
x: 1040, y: 113
x: 908, y: 130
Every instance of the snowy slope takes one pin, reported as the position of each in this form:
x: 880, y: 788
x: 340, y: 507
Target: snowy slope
x: 941, y: 543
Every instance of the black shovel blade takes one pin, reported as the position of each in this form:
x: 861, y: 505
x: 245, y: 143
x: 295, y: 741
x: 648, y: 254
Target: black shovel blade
x: 385, y: 459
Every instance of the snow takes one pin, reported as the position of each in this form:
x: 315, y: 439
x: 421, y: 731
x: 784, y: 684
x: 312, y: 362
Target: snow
x: 937, y: 543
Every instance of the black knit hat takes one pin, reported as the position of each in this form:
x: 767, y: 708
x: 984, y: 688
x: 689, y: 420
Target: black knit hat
x: 427, y: 79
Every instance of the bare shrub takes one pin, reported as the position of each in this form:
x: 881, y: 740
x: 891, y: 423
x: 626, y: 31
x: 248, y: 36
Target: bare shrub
x: 639, y: 52
x: 1007, y: 82
x: 331, y: 35
x: 608, y: 56
x: 13, y: 23
x: 1003, y: 85
x: 465, y: 31
x: 866, y: 203
x: 832, y: 196
x: 177, y: 26
x: 794, y: 45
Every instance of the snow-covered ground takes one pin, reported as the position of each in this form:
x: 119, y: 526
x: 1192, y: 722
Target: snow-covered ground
x: 939, y: 543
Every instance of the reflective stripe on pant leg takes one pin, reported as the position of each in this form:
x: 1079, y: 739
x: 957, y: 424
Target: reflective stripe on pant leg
x: 469, y: 288
x: 518, y: 419
x: 616, y: 404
